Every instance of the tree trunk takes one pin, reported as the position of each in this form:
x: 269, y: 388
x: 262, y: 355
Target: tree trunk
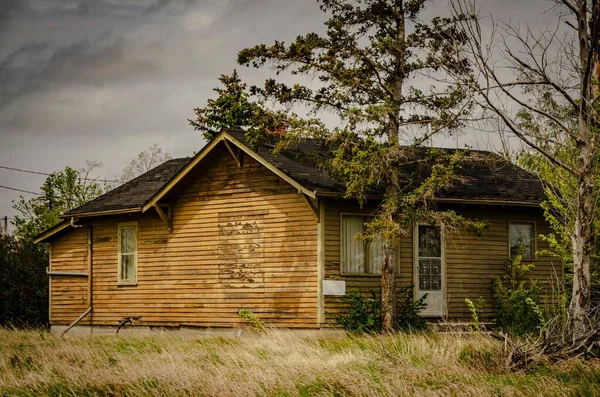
x: 582, y: 243
x: 388, y: 285
x: 582, y: 233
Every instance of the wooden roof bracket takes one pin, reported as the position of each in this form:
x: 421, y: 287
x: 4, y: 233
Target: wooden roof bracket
x: 236, y: 156
x: 166, y: 219
x: 313, y: 204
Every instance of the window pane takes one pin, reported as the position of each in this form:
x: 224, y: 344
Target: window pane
x: 430, y: 242
x: 128, y: 241
x: 376, y: 255
x: 430, y: 274
x: 128, y: 267
x: 521, y: 234
x: 353, y: 251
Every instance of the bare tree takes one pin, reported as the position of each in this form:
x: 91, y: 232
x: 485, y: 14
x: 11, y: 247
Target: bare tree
x: 145, y: 161
x: 534, y: 80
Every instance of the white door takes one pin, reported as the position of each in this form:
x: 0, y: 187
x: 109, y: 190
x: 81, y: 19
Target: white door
x: 429, y: 271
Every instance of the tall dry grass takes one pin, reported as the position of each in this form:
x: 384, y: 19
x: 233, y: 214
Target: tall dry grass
x: 275, y: 363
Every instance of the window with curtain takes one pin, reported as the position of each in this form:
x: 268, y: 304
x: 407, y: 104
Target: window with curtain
x: 127, y: 253
x: 359, y: 256
x: 521, y: 235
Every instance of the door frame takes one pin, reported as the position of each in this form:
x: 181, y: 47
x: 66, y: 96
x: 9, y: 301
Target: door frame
x: 415, y: 269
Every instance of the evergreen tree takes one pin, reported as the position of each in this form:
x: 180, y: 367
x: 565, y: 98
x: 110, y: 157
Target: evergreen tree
x: 392, y: 81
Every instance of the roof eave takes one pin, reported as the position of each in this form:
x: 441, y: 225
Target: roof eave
x: 101, y: 213
x: 46, y: 234
x: 446, y: 200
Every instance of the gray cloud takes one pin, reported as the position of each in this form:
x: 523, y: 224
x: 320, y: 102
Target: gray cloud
x: 105, y: 79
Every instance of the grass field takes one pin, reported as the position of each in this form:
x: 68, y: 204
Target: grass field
x: 278, y: 363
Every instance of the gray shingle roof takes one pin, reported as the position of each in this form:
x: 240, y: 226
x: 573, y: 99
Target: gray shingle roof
x: 485, y: 176
x: 135, y: 193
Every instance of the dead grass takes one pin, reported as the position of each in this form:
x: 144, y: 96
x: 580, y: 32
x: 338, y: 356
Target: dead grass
x: 278, y: 363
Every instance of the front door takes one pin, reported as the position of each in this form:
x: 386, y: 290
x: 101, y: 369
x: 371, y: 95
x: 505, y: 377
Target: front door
x: 429, y: 271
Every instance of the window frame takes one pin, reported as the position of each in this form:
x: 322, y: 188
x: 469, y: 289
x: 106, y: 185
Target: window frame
x: 120, y: 227
x: 533, y: 237
x: 366, y: 217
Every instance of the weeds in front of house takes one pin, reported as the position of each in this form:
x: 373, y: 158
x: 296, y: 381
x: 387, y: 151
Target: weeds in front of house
x: 475, y: 308
x: 277, y: 363
x: 516, y: 299
x: 252, y: 319
x: 364, y: 314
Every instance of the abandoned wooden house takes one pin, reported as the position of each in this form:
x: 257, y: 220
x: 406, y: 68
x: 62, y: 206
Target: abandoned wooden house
x: 195, y: 240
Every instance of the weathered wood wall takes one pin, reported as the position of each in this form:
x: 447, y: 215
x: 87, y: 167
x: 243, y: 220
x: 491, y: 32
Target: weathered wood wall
x: 242, y: 239
x: 471, y: 261
x: 68, y: 295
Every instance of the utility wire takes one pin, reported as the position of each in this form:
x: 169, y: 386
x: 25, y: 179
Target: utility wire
x: 21, y: 190
x: 45, y: 173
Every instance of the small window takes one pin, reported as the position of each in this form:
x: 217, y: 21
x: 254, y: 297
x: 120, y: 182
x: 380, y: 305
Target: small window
x: 521, y: 235
x: 127, y: 253
x: 359, y: 256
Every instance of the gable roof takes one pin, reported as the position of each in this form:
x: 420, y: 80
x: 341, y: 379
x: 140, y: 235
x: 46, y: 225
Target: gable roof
x: 485, y: 178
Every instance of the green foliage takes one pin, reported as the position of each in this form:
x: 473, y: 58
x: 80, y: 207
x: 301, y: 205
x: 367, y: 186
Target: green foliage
x: 560, y: 208
x: 517, y: 301
x: 234, y: 109
x: 252, y: 319
x: 408, y: 309
x: 61, y: 191
x: 474, y: 310
x: 367, y: 64
x: 364, y: 314
x: 23, y: 283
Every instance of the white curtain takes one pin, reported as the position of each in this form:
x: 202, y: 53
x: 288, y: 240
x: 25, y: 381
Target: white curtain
x: 353, y: 251
x: 376, y: 256
x: 128, y: 250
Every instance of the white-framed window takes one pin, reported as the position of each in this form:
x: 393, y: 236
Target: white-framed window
x: 429, y: 257
x: 359, y: 256
x: 128, y: 254
x: 520, y: 234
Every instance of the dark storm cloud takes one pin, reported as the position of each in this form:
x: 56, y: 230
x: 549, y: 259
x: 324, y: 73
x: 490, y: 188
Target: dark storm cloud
x: 43, y: 66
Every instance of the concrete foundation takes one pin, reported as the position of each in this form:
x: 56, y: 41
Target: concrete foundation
x: 184, y: 331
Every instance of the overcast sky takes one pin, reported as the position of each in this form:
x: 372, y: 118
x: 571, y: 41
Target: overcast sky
x: 105, y: 79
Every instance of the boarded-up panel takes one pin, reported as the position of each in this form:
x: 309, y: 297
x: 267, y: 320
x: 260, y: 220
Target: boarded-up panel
x: 241, y: 250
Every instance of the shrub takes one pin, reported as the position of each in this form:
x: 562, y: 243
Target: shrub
x: 364, y: 314
x: 23, y: 283
x: 252, y: 319
x: 517, y: 301
x: 408, y: 309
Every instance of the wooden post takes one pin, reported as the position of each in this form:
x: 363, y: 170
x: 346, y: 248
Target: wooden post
x: 6, y: 224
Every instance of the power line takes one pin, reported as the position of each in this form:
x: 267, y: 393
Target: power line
x: 21, y: 190
x: 45, y: 173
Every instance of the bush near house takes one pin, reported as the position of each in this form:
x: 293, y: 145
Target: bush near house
x: 517, y: 300
x: 364, y: 313
x: 23, y: 283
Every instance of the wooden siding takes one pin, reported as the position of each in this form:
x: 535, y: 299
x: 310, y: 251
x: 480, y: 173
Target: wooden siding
x: 471, y: 261
x: 241, y: 239
x: 68, y: 295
